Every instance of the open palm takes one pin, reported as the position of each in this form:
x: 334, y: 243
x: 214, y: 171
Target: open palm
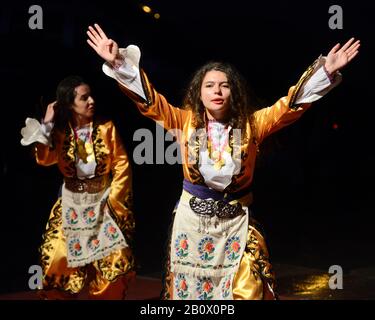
x: 338, y: 58
x: 104, y: 47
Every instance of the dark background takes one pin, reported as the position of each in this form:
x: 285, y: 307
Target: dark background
x: 313, y: 186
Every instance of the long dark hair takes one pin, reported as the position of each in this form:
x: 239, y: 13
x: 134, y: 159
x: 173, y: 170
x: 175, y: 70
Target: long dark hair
x: 65, y: 95
x: 241, y: 98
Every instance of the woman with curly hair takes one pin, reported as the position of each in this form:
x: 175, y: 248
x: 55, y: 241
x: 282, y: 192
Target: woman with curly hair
x: 216, y: 250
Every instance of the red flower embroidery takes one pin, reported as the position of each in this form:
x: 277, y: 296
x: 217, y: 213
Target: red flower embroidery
x: 112, y: 229
x: 91, y: 213
x: 95, y: 242
x: 183, y: 244
x: 227, y: 285
x: 77, y: 246
x: 207, y: 287
x: 236, y: 246
x: 208, y: 247
x: 183, y: 285
x: 73, y: 215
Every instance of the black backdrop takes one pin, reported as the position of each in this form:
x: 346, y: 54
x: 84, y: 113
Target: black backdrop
x: 313, y: 185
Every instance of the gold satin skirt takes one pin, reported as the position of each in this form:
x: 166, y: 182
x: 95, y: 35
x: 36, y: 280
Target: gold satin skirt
x: 106, y: 278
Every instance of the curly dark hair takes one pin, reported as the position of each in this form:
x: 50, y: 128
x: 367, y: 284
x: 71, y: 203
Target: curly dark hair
x: 241, y: 99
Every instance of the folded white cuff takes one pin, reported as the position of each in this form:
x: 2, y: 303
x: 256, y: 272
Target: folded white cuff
x: 318, y: 84
x: 35, y: 132
x: 128, y: 73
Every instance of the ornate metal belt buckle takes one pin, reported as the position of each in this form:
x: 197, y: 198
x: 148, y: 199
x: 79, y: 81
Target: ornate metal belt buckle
x: 80, y: 186
x: 202, y: 207
x: 220, y: 208
x: 226, y: 210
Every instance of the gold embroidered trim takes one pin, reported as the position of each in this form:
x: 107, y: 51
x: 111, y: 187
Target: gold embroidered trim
x: 306, y: 75
x: 261, y: 266
x: 72, y: 283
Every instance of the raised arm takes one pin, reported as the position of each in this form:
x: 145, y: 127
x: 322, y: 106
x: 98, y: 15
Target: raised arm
x: 322, y: 76
x: 338, y: 58
x: 40, y: 134
x: 123, y: 66
x: 104, y: 47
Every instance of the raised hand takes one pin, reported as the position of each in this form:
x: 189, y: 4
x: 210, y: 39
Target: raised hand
x: 338, y: 58
x: 104, y: 47
x: 50, y: 112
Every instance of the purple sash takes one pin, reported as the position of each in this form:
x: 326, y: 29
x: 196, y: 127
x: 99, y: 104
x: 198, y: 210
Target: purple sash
x: 204, y: 192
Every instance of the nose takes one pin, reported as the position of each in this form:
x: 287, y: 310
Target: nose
x: 217, y: 89
x: 91, y: 100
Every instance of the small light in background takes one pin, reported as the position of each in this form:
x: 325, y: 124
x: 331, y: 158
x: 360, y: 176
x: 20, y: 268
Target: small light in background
x: 335, y: 126
x: 146, y: 9
x: 157, y: 16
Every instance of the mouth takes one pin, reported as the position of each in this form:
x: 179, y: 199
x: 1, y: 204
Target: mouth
x: 218, y: 101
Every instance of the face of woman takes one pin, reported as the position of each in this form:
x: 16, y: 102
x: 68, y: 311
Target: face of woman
x: 215, y: 94
x: 84, y: 105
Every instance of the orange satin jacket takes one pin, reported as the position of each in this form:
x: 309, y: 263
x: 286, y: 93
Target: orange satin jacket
x: 266, y: 121
x: 111, y: 159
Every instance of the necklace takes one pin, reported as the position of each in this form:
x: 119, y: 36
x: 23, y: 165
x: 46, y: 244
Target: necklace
x: 83, y: 138
x: 217, y: 143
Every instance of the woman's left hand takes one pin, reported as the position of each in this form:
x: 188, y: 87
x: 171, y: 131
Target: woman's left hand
x: 338, y: 58
x: 104, y: 47
x: 50, y: 113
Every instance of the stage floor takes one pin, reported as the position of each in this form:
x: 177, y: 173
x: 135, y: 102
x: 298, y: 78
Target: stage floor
x: 294, y: 283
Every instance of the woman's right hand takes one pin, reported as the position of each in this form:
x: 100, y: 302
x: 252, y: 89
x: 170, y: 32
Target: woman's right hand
x: 104, y: 47
x: 50, y: 113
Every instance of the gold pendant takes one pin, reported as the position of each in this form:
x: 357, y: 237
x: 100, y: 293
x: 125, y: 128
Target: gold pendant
x: 81, y: 151
x: 89, y: 148
x: 85, y: 151
x: 219, y: 164
x: 215, y: 155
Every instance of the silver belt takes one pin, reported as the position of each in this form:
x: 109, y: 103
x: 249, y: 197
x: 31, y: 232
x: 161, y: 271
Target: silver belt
x: 220, y: 208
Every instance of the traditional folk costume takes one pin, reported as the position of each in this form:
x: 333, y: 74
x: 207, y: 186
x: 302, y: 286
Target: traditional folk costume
x: 89, y: 233
x: 215, y: 249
